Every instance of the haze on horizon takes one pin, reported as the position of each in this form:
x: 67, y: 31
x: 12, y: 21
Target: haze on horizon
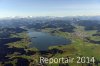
x: 49, y: 8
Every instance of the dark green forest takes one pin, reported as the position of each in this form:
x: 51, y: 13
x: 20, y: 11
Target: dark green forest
x: 15, y: 50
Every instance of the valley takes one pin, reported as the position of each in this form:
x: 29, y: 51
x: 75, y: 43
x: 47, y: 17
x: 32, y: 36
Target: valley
x: 24, y: 40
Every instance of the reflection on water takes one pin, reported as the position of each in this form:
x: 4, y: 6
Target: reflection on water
x: 43, y: 40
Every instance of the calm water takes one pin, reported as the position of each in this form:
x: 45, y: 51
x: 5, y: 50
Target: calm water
x: 43, y: 40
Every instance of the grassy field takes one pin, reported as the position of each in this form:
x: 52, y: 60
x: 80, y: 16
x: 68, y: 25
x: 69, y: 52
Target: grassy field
x: 78, y: 47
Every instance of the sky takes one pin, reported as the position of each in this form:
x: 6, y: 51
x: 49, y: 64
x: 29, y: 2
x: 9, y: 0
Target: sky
x: 23, y: 8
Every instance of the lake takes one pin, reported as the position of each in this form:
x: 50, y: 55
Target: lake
x: 42, y: 40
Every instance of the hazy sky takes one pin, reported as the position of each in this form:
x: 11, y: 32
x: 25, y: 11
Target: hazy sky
x: 49, y: 7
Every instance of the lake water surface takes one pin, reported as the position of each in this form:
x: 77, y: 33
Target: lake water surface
x: 42, y: 40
